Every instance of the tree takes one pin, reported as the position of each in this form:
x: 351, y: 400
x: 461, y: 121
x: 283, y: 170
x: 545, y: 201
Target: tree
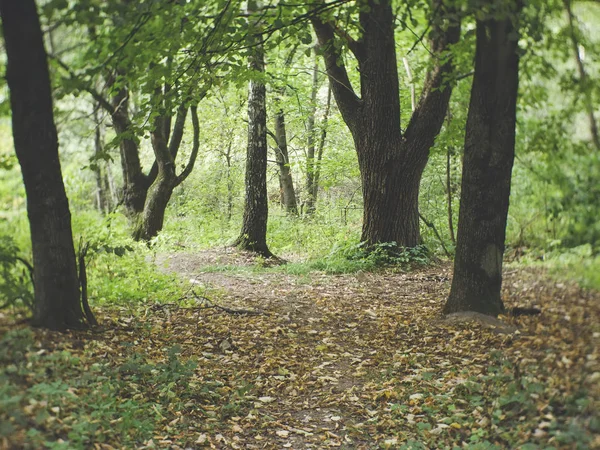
x: 164, y: 78
x: 57, y: 294
x: 314, y: 154
x: 583, y: 76
x: 165, y: 152
x: 253, y: 235
x: 282, y: 157
x: 488, y: 160
x: 105, y: 194
x: 286, y: 182
x: 391, y: 160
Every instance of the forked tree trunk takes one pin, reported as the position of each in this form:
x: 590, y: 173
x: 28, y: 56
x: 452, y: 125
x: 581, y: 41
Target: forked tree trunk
x: 391, y: 162
x: 57, y: 295
x: 487, y: 166
x: 151, y: 220
x: 253, y: 236
x: 390, y: 192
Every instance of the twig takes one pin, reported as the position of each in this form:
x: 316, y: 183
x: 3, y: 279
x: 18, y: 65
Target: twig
x: 435, y: 231
x: 236, y: 311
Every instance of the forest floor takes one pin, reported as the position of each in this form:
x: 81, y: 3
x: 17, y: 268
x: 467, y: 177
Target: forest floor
x: 256, y: 358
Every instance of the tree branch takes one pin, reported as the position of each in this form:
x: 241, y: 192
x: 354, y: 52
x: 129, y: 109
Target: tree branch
x: 83, y: 86
x: 195, y: 147
x: 345, y: 96
x: 426, y: 120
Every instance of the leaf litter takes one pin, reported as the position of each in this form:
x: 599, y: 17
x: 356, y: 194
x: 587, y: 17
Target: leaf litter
x: 336, y: 361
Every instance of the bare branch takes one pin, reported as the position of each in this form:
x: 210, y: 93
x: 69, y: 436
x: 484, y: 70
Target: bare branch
x: 195, y: 147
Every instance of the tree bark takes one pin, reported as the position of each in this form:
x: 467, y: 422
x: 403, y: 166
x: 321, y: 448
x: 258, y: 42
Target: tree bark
x: 391, y: 162
x: 104, y: 195
x: 135, y: 182
x: 57, y: 294
x: 311, y: 141
x: 314, y: 193
x: 152, y: 219
x: 583, y: 76
x: 253, y: 236
x: 286, y: 183
x: 488, y: 161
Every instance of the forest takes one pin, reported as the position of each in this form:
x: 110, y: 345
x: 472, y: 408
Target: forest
x: 266, y: 224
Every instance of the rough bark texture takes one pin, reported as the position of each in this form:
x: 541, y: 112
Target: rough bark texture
x: 391, y: 162
x: 286, y: 183
x: 488, y: 161
x: 57, y: 295
x: 253, y: 236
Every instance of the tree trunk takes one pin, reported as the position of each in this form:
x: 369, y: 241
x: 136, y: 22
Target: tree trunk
x: 253, y: 236
x: 390, y: 194
x: 449, y: 194
x: 286, y: 183
x: 57, y: 295
x: 310, y: 147
x: 583, y: 77
x: 135, y: 182
x: 487, y: 166
x: 314, y: 191
x: 103, y: 188
x: 151, y: 221
x: 228, y: 158
x: 391, y: 162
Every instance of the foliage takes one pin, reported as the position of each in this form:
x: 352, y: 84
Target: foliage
x: 16, y: 287
x: 354, y: 257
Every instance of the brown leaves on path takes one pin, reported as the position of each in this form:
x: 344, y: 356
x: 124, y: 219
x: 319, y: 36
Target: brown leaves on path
x: 349, y: 361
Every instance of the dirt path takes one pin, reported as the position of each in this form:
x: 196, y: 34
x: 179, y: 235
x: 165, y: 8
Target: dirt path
x: 359, y: 361
x: 332, y: 355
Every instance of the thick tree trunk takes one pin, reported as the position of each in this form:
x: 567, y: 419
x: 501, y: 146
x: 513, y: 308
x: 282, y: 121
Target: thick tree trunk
x: 253, y: 236
x: 488, y: 161
x: 286, y: 183
x: 57, y: 295
x: 151, y: 221
x: 391, y: 162
x: 390, y: 193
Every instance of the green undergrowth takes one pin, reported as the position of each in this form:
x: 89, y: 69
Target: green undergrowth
x: 59, y: 400
x: 509, y: 405
x: 354, y: 257
x: 579, y: 264
x: 348, y: 258
x: 62, y: 399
